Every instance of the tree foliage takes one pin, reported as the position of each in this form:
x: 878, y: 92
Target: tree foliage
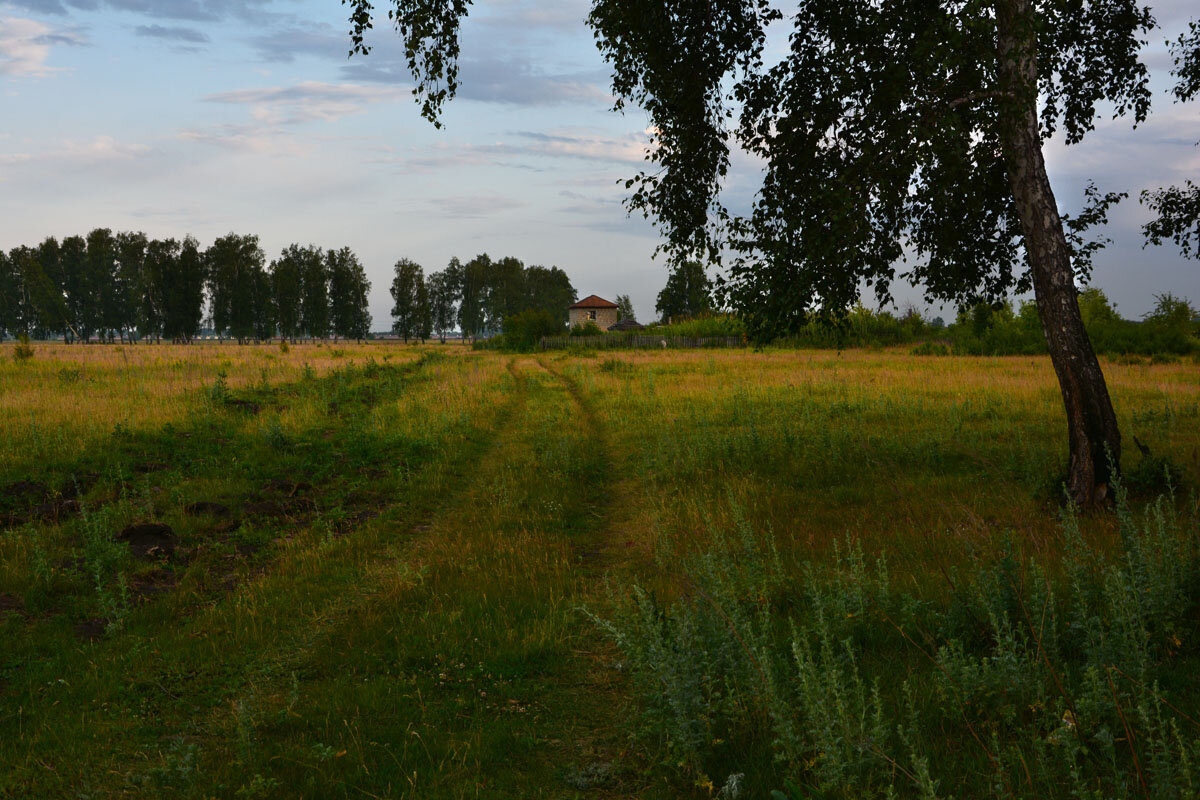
x: 348, y: 290
x: 127, y: 286
x: 625, y: 308
x: 1178, y: 207
x: 407, y: 292
x: 688, y: 292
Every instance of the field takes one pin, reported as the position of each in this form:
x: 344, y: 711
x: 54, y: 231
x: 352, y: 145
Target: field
x: 397, y: 571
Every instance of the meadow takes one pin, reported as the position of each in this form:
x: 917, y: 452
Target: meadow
x: 378, y: 570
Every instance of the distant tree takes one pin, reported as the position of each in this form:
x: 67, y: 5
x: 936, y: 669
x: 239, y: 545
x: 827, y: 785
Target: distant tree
x: 42, y: 276
x: 688, y: 292
x: 523, y: 330
x: 265, y: 311
x: 505, y: 290
x: 183, y: 291
x: 549, y: 289
x: 233, y: 263
x: 81, y: 295
x: 472, y: 308
x: 286, y: 272
x: 408, y: 311
x: 424, y: 311
x: 10, y: 298
x: 314, y: 294
x: 21, y: 281
x: 131, y: 257
x: 159, y: 264
x: 348, y: 291
x: 1178, y: 208
x: 625, y: 308
x: 110, y: 295
x: 441, y: 302
x: 455, y: 274
x: 22, y: 314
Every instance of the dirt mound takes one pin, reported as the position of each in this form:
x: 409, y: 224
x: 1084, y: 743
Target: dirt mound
x: 91, y: 629
x: 23, y: 494
x: 159, y: 581
x: 263, y: 508
x: 248, y: 406
x: 78, y: 484
x: 55, y: 510
x: 149, y: 540
x: 206, y: 508
x: 10, y: 602
x: 286, y: 487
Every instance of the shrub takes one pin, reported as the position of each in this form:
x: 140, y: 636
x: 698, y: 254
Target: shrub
x: 523, y: 331
x: 931, y: 349
x: 1026, y: 679
x: 23, y: 351
x: 590, y: 328
x: 704, y: 326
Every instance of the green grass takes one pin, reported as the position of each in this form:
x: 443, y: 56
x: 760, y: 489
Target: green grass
x: 430, y: 549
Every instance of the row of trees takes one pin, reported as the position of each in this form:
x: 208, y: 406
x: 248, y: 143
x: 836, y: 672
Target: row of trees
x: 477, y: 296
x: 130, y: 287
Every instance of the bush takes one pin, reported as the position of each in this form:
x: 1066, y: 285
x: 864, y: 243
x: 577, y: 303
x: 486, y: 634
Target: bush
x: 23, y: 351
x: 588, y: 329
x: 523, y: 331
x: 1024, y: 679
x: 704, y: 326
x: 931, y: 349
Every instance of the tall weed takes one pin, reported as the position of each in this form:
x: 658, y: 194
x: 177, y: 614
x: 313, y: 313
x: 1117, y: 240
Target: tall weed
x: 1029, y: 677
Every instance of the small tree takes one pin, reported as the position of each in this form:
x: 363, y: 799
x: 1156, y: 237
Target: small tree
x: 348, y: 290
x: 625, y: 308
x: 688, y: 292
x: 408, y: 310
x: 314, y: 293
x: 441, y: 302
x: 287, y: 281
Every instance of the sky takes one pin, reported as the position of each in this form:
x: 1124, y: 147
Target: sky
x: 204, y: 117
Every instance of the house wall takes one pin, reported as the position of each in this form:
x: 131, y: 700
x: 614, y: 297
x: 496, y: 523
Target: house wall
x: 605, y: 317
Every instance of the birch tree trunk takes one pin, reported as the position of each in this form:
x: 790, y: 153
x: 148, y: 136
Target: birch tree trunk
x: 1094, y: 439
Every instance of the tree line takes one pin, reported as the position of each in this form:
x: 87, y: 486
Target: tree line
x: 129, y: 287
x: 477, y: 296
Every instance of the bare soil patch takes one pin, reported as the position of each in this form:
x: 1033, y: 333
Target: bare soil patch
x: 150, y: 540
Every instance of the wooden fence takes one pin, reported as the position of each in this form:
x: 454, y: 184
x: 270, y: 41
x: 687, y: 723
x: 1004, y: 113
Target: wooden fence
x: 638, y: 340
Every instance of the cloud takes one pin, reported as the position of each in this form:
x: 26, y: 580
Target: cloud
x: 172, y: 33
x: 100, y: 150
x: 475, y: 206
x: 25, y: 45
x: 283, y: 46
x: 509, y: 80
x: 193, y: 10
x: 525, y: 16
x: 628, y: 149
x: 307, y: 101
x: 525, y: 152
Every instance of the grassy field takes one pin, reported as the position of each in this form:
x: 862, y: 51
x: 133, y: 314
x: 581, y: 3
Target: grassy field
x: 393, y: 571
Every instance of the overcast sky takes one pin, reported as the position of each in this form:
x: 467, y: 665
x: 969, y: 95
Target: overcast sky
x: 211, y: 116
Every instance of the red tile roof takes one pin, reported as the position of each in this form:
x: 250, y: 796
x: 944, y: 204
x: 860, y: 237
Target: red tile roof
x: 593, y: 301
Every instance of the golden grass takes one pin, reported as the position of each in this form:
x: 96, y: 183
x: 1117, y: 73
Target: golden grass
x: 66, y: 396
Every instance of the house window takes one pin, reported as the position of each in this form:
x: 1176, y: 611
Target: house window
x: 592, y: 314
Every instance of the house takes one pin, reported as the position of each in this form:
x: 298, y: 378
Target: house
x: 595, y: 310
x: 627, y: 324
